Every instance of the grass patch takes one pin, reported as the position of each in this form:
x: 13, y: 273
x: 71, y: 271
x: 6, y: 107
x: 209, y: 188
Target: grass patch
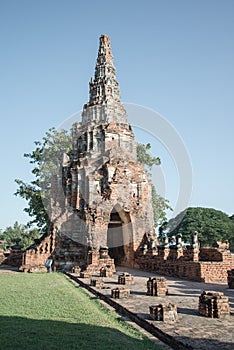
x: 46, y: 311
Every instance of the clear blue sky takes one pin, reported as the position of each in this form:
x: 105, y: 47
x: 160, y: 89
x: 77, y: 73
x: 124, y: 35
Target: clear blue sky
x: 175, y: 57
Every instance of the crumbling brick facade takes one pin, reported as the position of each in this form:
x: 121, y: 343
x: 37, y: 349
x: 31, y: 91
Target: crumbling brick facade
x: 106, y: 194
x: 34, y: 258
x: 14, y: 258
x: 102, y: 196
x: 2, y: 256
x: 190, y: 262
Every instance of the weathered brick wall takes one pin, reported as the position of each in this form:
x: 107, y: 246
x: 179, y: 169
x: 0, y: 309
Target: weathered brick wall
x: 130, y: 198
x: 35, y: 256
x: 14, y: 258
x: 183, y: 263
x: 2, y: 256
x: 214, y: 272
x: 184, y: 269
x: 68, y: 253
x: 210, y: 254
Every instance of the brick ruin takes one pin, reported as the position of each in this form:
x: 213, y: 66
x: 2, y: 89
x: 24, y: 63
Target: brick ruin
x: 2, y: 256
x: 163, y: 312
x: 209, y: 265
x: 102, y: 197
x: 120, y: 292
x: 95, y: 282
x: 213, y: 304
x: 101, y: 204
x: 157, y: 286
x: 125, y: 278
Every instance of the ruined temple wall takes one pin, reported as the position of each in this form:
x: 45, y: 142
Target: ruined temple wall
x: 211, y: 254
x: 15, y: 258
x: 167, y: 262
x: 131, y: 201
x: 34, y: 257
x: 68, y: 253
x: 214, y: 272
x: 2, y: 256
x: 183, y: 269
x: 129, y: 194
x: 208, y: 272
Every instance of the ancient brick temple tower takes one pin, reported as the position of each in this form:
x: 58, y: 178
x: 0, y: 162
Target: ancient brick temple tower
x: 107, y: 189
x: 106, y: 194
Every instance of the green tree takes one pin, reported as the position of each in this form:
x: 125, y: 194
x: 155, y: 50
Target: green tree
x: 212, y: 225
x: 160, y: 204
x: 46, y: 159
x: 144, y: 157
x: 2, y: 244
x: 23, y: 232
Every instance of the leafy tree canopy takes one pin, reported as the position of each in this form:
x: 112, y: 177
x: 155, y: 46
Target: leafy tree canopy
x: 46, y: 159
x: 144, y: 157
x: 160, y: 204
x: 211, y: 224
x: 19, y: 231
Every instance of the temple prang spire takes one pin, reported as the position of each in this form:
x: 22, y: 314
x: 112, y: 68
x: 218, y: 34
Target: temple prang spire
x: 104, y: 86
x: 104, y: 103
x: 104, y: 52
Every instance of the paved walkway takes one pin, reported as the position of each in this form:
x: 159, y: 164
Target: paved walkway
x: 191, y: 329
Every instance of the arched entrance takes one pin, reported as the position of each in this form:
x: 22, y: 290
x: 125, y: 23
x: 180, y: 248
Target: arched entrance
x: 119, y: 236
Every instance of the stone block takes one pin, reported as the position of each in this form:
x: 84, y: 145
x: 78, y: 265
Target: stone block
x: 85, y: 274
x: 163, y: 312
x: 76, y: 269
x: 119, y: 293
x: 125, y: 278
x: 157, y: 286
x: 98, y: 283
x: 106, y: 271
x: 213, y: 304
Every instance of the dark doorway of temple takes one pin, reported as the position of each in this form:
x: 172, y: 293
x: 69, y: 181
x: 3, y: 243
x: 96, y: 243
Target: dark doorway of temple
x: 115, y: 238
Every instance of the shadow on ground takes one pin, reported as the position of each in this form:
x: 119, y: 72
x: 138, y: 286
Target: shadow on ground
x: 187, y: 311
x: 201, y: 344
x: 22, y: 333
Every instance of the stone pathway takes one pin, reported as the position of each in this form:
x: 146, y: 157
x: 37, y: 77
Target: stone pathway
x: 191, y: 329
